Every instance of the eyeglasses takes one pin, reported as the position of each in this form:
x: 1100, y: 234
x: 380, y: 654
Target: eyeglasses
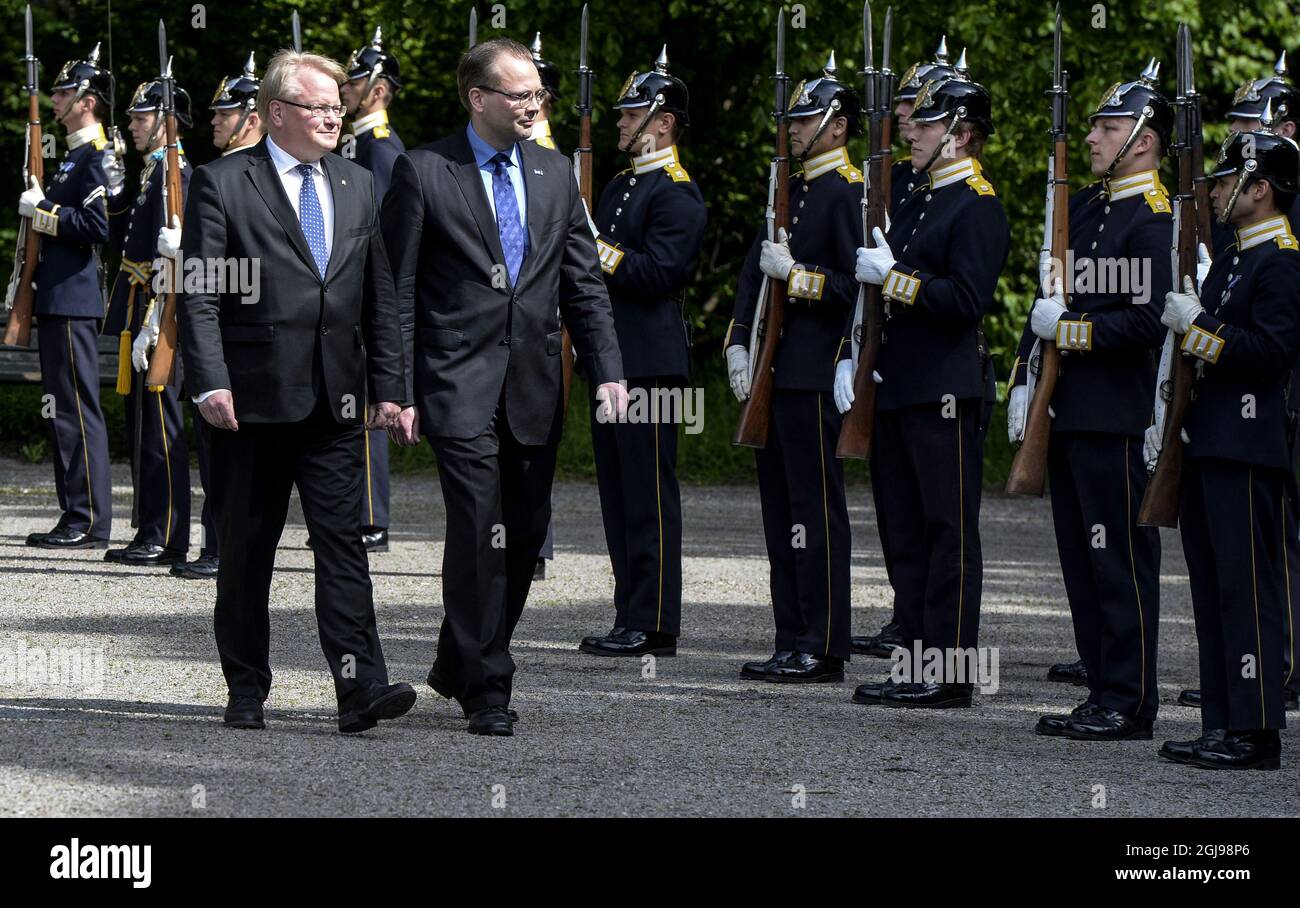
x: 319, y: 111
x: 519, y: 97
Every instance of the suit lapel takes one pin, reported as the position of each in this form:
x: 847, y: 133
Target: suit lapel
x: 471, y: 187
x: 268, y: 184
x: 342, y: 220
x: 534, y: 193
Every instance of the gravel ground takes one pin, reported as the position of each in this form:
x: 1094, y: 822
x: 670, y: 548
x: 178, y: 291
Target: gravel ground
x: 139, y: 733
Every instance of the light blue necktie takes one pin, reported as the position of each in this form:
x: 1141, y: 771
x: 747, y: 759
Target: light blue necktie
x: 312, y: 219
x: 514, y: 242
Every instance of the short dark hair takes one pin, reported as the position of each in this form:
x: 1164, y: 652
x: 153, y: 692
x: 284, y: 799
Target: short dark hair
x: 477, y: 63
x: 975, y: 145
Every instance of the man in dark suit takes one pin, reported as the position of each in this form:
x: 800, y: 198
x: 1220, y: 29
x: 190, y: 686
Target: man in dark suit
x: 489, y: 244
x: 285, y: 373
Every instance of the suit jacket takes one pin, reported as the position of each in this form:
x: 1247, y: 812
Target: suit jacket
x: 306, y: 336
x: 472, y: 339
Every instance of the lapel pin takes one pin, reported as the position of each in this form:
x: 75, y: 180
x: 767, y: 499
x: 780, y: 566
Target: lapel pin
x: 344, y: 182
x: 538, y: 172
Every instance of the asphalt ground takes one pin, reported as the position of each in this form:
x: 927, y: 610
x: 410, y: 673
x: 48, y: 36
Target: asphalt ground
x: 138, y: 731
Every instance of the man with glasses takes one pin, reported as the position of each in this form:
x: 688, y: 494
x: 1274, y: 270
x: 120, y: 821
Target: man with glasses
x: 486, y: 232
x: 283, y: 377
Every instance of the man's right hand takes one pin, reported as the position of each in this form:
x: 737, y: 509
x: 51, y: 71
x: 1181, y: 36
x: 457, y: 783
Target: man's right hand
x: 406, y: 431
x: 219, y: 411
x: 738, y: 371
x: 1017, y: 410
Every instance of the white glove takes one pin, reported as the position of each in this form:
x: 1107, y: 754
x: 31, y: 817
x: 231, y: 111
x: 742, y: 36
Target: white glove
x: 1202, y: 264
x: 874, y: 264
x: 775, y: 260
x: 1047, y: 312
x: 28, y: 201
x: 145, y: 341
x: 1045, y: 272
x: 844, y: 385
x: 738, y: 371
x: 591, y: 225
x: 1017, y: 410
x: 115, y: 168
x: 1151, y: 447
x: 169, y: 242
x: 1181, y: 309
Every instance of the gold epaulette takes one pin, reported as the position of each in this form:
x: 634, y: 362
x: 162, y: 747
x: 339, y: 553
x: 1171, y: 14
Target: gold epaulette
x: 850, y: 173
x: 99, y: 144
x: 1157, y: 201
x: 677, y: 172
x: 980, y: 185
x: 1286, y: 241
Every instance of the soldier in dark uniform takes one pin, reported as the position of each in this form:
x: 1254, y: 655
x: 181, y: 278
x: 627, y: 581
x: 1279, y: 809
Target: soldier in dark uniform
x: 938, y: 268
x: 236, y: 127
x: 903, y: 179
x: 71, y: 214
x: 1271, y: 104
x: 161, y: 461
x: 1244, y: 331
x: 800, y: 480
x: 650, y: 225
x: 374, y: 77
x: 1109, y: 338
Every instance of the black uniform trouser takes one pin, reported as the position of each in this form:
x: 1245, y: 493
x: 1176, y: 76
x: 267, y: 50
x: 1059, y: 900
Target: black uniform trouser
x: 806, y: 524
x: 1230, y: 519
x: 1291, y: 524
x: 375, y: 492
x: 497, y: 492
x: 1110, y: 565
x: 203, y: 433
x: 69, y: 356
x: 927, y: 464
x: 255, y: 470
x: 163, y: 468
x: 641, y: 506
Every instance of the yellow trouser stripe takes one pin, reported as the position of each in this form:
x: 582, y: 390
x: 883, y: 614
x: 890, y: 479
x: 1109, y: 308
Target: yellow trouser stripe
x: 1254, y: 588
x: 167, y: 457
x: 1132, y: 566
x: 85, y: 447
x: 370, y: 487
x: 961, y: 534
x: 826, y: 522
x: 659, y: 510
x: 1286, y: 576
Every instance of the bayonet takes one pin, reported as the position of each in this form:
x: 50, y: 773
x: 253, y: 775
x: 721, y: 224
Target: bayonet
x: 473, y: 26
x: 297, y: 33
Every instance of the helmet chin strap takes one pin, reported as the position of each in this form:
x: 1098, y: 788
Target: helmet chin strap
x: 831, y: 110
x: 1132, y: 137
x: 247, y: 110
x: 958, y: 115
x: 645, y: 121
x: 157, y: 125
x: 1247, y: 169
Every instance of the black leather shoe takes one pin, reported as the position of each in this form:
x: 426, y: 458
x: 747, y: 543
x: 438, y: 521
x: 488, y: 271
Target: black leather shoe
x: 1107, y: 725
x: 243, y: 712
x: 148, y: 554
x: 539, y: 572
x: 60, y: 538
x: 445, y: 690
x: 1053, y: 724
x: 375, y: 539
x: 1290, y: 699
x: 492, y: 720
x: 805, y: 668
x: 928, y: 696
x: 1190, y: 696
x: 871, y: 693
x: 202, y: 568
x: 1069, y: 673
x: 759, y: 670
x: 1258, y: 749
x: 379, y: 701
x: 630, y: 643
x: 115, y: 556
x: 882, y: 644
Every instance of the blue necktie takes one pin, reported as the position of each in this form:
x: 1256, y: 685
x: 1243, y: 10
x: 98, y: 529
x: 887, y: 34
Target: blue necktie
x: 311, y: 218
x: 514, y: 242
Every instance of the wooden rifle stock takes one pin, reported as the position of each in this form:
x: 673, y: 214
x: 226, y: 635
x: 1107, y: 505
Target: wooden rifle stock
x: 18, y: 330
x: 162, y: 364
x: 585, y: 190
x: 1029, y: 467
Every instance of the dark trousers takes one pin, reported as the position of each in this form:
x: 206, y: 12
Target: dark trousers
x: 927, y: 463
x: 161, y: 468
x: 806, y: 524
x: 69, y: 356
x: 255, y: 469
x: 1291, y: 526
x: 1230, y: 519
x: 497, y: 492
x: 203, y: 433
x: 374, y: 498
x: 636, y: 470
x: 1110, y: 565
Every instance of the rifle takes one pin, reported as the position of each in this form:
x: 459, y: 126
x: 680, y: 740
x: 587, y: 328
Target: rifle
x: 869, y: 311
x: 162, y: 365
x: 582, y: 171
x: 769, y: 314
x: 1029, y: 467
x: 1175, y: 375
x: 21, y: 295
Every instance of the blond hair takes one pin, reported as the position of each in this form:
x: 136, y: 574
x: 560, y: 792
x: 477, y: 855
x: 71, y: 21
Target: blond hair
x: 282, y: 68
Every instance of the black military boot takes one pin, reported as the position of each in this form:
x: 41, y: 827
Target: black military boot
x: 1069, y: 673
x: 882, y: 644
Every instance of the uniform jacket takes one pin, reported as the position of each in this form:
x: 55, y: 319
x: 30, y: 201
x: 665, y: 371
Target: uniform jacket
x: 377, y: 148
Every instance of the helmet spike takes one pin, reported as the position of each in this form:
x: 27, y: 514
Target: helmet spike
x: 1266, y: 115
x: 960, y: 65
x: 250, y: 66
x: 377, y: 42
x: 1280, y: 66
x: 941, y: 55
x: 537, y: 45
x: 93, y: 59
x: 661, y: 64
x: 829, y: 68
x: 1152, y: 72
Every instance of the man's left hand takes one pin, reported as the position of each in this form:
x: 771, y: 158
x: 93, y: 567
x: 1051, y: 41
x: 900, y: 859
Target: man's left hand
x: 612, y: 399
x: 384, y: 415
x: 1181, y: 309
x: 32, y: 197
x: 775, y: 259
